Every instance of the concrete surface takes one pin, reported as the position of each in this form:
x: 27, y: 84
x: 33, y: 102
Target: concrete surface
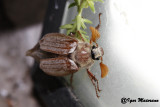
x: 15, y: 81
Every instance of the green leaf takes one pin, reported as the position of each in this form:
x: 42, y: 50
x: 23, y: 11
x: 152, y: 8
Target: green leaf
x: 87, y: 21
x: 74, y: 20
x: 84, y: 4
x: 66, y: 26
x: 91, y: 5
x: 83, y: 32
x: 74, y: 26
x: 72, y: 5
x: 83, y: 25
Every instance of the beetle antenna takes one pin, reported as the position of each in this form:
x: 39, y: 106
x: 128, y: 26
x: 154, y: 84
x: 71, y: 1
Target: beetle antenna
x: 104, y: 69
x: 98, y: 26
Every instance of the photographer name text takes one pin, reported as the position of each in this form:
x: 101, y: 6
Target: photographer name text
x: 129, y: 100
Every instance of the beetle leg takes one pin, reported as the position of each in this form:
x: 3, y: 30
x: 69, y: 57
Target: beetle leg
x: 93, y: 80
x: 71, y: 79
x: 94, y: 86
x: 81, y: 36
x: 98, y: 86
x: 96, y: 80
x: 97, y: 27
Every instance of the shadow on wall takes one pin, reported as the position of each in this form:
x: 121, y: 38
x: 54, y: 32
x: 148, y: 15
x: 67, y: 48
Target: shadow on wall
x: 21, y: 13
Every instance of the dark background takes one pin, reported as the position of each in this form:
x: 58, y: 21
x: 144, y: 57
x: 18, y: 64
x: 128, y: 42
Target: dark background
x: 24, y: 84
x: 21, y: 13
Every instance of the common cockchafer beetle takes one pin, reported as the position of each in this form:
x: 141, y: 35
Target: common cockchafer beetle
x: 61, y: 55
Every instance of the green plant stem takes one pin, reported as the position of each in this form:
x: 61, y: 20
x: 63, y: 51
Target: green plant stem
x: 78, y: 17
x: 78, y: 24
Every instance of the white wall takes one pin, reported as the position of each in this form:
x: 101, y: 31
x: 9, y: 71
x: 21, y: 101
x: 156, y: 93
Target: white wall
x: 130, y: 37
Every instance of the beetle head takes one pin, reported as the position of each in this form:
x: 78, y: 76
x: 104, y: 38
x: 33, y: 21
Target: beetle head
x: 97, y: 52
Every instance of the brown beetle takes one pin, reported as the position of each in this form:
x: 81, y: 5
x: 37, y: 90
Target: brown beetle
x: 60, y: 55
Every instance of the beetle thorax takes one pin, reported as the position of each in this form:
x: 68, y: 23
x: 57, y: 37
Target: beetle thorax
x: 82, y: 55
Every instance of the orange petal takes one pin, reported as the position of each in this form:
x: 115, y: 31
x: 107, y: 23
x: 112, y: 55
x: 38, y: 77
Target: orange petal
x: 104, y: 70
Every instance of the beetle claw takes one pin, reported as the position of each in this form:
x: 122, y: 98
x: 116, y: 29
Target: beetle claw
x: 98, y: 96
